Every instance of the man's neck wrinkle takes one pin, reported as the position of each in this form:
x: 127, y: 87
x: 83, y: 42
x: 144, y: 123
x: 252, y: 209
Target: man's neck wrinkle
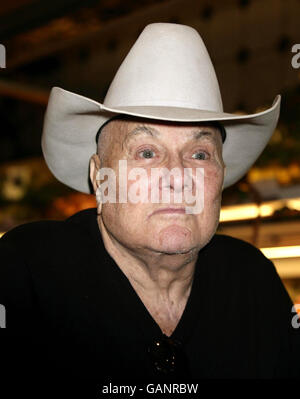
x: 153, y: 274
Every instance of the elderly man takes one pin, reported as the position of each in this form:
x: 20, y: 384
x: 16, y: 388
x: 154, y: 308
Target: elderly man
x: 144, y: 289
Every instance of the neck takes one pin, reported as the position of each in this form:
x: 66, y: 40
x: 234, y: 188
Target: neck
x: 162, y: 281
x: 168, y: 276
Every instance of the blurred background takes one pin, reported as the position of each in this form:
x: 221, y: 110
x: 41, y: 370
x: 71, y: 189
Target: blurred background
x: 79, y: 45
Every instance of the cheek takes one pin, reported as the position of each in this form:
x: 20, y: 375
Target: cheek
x: 114, y: 218
x: 213, y: 182
x: 123, y: 219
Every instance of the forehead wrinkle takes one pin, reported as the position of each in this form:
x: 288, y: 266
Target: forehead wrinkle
x: 143, y: 129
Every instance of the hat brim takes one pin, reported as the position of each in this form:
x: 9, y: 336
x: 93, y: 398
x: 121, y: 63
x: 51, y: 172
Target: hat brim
x: 72, y: 121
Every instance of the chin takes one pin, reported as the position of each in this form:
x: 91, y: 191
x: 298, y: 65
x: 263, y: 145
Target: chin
x: 175, y: 239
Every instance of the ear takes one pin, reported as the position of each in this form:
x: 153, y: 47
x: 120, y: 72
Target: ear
x: 94, y: 167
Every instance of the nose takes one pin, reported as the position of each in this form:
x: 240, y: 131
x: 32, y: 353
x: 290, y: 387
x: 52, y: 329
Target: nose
x: 174, y: 176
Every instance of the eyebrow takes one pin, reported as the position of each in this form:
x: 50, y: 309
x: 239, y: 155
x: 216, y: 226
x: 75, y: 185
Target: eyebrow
x: 143, y: 129
x: 204, y: 133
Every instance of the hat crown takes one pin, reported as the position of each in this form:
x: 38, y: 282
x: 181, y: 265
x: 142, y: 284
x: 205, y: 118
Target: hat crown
x: 167, y: 66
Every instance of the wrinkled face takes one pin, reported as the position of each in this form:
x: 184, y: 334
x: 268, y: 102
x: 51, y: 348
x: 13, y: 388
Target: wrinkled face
x: 163, y: 227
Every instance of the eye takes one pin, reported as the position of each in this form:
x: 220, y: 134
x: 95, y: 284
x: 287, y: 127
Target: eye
x: 146, y: 153
x: 202, y: 155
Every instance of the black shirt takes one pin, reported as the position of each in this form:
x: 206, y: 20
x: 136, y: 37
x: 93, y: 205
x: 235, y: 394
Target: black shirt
x: 72, y: 311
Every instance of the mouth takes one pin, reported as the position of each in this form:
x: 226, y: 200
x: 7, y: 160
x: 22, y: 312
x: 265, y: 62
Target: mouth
x: 169, y: 210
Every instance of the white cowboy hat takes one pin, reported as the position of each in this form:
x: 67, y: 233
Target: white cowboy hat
x: 167, y: 75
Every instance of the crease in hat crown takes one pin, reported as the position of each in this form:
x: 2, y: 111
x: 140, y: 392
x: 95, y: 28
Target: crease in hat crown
x: 167, y: 66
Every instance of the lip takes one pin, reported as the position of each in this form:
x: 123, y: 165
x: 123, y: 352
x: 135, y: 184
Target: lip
x: 169, y: 211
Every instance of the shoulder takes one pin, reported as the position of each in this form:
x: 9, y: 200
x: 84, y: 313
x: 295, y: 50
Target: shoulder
x: 234, y: 247
x: 34, y: 254
x: 41, y: 235
x: 243, y: 267
x: 240, y: 257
